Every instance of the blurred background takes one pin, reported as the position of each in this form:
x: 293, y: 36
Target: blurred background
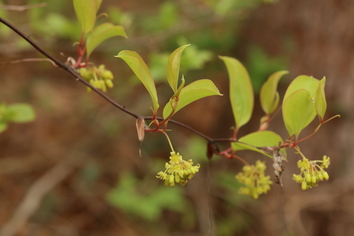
x: 76, y: 170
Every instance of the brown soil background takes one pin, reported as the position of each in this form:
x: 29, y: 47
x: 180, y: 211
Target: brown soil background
x: 75, y: 129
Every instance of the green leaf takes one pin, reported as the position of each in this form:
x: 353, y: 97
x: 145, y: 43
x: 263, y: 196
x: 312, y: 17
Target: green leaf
x: 303, y: 82
x: 241, y: 92
x: 192, y: 92
x: 101, y: 33
x: 258, y: 139
x: 141, y: 70
x: 148, y: 206
x: 173, y: 67
x: 298, y: 111
x: 20, y: 113
x: 98, y: 4
x: 320, y: 99
x: 194, y: 58
x: 86, y: 13
x: 269, y: 96
x: 3, y: 126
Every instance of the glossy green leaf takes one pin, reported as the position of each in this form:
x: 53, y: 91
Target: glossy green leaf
x: 86, y: 13
x: 192, y: 92
x: 101, y: 33
x: 268, y: 95
x: 98, y: 4
x: 20, y: 113
x: 241, y: 91
x: 320, y: 99
x: 303, y: 82
x: 258, y: 139
x: 298, y: 111
x: 173, y: 67
x: 141, y: 70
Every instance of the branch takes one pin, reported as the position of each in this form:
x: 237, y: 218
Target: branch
x: 67, y: 68
x: 28, y: 60
x: 23, y: 7
x: 74, y: 73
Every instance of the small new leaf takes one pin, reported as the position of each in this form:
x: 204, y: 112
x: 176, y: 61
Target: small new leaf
x: 303, y: 82
x: 241, y: 91
x: 320, y: 99
x: 173, y: 67
x: 268, y: 95
x: 86, y: 11
x: 258, y: 139
x: 298, y: 111
x: 192, y: 92
x: 141, y: 70
x: 101, y: 33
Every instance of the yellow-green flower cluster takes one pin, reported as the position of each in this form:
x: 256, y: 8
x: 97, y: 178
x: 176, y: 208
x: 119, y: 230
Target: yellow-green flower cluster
x: 312, y: 172
x: 177, y: 170
x: 98, y: 77
x: 254, y: 180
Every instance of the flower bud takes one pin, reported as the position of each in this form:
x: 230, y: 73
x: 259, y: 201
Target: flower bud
x: 325, y: 175
x: 174, y: 102
x: 107, y: 75
x: 180, y: 173
x: 102, y: 85
x: 177, y: 178
x: 109, y: 83
x: 303, y: 185
x: 320, y: 176
x: 85, y: 73
x: 172, y: 180
x: 313, y: 179
x: 308, y: 177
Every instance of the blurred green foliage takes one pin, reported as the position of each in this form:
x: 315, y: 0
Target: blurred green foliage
x: 217, y: 31
x: 148, y: 205
x: 193, y: 58
x: 260, y: 65
x: 17, y: 113
x: 148, y: 199
x: 167, y: 17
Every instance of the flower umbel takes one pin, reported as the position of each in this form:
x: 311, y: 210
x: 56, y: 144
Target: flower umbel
x: 99, y: 77
x: 254, y: 180
x: 312, y: 172
x: 177, y: 170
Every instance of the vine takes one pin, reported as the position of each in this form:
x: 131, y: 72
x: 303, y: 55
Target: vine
x: 303, y: 101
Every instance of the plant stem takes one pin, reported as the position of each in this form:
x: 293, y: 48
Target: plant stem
x: 67, y: 68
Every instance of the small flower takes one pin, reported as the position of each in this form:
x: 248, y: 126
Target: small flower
x: 312, y: 172
x: 177, y: 170
x: 254, y: 180
x: 98, y: 77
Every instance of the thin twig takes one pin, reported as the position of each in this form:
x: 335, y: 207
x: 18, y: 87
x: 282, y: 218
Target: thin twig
x: 28, y: 60
x: 23, y: 7
x: 66, y: 67
x: 74, y: 73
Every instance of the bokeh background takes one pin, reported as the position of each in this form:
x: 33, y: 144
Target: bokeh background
x: 76, y: 170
